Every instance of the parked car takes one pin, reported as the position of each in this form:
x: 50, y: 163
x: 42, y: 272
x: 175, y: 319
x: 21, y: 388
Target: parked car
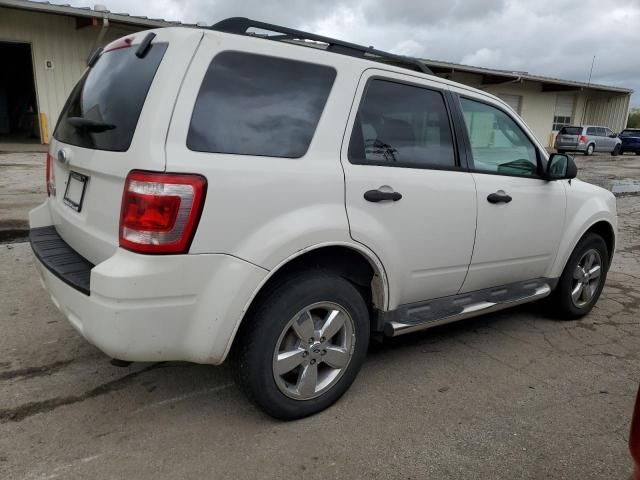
x: 630, y: 140
x: 213, y: 193
x: 587, y: 139
x: 634, y: 439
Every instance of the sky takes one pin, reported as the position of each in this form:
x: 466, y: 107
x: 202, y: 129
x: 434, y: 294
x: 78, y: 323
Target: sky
x: 556, y: 38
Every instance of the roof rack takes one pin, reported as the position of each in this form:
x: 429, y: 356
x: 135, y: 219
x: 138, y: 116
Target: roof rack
x: 240, y: 25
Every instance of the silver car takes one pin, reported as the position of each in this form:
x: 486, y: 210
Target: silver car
x: 587, y: 139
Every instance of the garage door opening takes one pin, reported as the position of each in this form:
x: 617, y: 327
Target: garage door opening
x: 19, y: 121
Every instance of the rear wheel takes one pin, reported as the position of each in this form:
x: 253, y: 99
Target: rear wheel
x: 303, y: 345
x: 582, y: 280
x: 590, y: 148
x: 616, y: 151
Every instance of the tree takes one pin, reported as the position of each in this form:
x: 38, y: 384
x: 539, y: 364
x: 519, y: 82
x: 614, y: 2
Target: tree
x: 634, y: 118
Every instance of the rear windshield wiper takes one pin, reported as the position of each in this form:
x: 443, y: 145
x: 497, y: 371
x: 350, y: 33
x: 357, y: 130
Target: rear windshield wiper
x: 89, y: 125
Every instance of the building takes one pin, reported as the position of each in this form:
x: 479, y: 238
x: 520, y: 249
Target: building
x: 47, y: 46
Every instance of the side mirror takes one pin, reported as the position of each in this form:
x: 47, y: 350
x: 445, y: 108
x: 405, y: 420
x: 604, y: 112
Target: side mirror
x: 613, y: 135
x: 561, y: 167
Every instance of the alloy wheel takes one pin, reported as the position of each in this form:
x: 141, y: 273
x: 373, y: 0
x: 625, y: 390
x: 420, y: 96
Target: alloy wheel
x: 586, y: 278
x: 313, y: 351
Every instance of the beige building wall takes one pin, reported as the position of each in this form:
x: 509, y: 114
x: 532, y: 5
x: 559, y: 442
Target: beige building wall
x: 55, y: 38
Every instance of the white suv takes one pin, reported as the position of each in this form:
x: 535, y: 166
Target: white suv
x: 284, y: 198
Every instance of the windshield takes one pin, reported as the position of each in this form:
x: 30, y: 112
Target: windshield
x: 103, y: 109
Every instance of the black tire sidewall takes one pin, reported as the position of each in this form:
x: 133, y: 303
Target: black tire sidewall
x: 562, y: 295
x: 265, y: 325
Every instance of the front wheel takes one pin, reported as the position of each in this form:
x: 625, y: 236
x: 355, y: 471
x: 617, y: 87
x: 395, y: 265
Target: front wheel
x: 616, y: 151
x: 582, y: 280
x: 303, y: 344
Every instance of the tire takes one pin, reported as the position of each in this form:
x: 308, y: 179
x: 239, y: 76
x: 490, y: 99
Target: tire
x: 616, y: 151
x: 561, y: 303
x: 277, y: 324
x: 590, y: 149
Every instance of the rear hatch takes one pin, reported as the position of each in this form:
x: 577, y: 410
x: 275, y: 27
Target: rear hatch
x: 630, y: 138
x: 568, y: 136
x: 115, y: 120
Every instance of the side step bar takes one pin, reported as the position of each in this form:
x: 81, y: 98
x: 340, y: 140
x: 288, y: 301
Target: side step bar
x: 395, y: 328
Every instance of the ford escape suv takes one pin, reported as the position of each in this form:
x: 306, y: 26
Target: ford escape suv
x: 281, y: 198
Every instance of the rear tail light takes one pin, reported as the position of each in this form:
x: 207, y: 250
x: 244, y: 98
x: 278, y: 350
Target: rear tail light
x: 634, y: 438
x: 50, y: 179
x: 160, y: 211
x: 582, y: 139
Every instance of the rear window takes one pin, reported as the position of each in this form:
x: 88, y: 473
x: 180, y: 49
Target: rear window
x: 259, y: 105
x: 570, y: 130
x: 111, y: 95
x: 630, y: 133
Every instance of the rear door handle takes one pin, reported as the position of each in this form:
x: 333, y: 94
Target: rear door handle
x: 499, y: 198
x: 379, y: 196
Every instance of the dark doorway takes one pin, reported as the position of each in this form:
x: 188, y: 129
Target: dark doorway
x: 18, y: 105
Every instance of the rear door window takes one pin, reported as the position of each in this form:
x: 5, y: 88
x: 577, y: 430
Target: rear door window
x: 401, y: 125
x: 252, y: 104
x: 103, y: 109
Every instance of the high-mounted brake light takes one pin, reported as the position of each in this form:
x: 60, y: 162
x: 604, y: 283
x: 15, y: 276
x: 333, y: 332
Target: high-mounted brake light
x: 160, y: 211
x: 49, y: 178
x: 119, y: 43
x: 582, y: 139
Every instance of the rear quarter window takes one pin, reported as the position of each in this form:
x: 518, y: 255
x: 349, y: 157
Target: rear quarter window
x: 111, y: 93
x: 258, y: 105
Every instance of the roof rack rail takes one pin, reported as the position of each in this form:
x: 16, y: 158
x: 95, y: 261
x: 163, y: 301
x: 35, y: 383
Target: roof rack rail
x: 240, y: 25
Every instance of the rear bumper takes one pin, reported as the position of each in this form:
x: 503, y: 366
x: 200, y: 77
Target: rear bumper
x: 635, y: 147
x: 571, y: 147
x: 156, y: 308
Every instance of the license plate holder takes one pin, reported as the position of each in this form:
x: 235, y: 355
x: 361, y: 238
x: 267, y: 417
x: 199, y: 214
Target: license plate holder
x: 74, y: 193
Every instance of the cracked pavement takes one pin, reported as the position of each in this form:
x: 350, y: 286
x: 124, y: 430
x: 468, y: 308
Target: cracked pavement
x: 509, y: 395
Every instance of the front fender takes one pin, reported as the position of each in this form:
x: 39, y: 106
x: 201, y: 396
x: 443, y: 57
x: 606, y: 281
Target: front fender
x: 586, y: 206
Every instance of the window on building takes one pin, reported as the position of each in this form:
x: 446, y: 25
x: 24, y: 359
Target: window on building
x: 402, y: 125
x: 564, y: 111
x: 259, y: 105
x: 559, y: 122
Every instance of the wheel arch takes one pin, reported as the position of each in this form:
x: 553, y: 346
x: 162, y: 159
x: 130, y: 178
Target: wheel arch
x: 607, y: 232
x: 354, y: 261
x: 602, y: 227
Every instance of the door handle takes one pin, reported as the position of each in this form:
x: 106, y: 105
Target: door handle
x: 379, y: 196
x: 499, y: 198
